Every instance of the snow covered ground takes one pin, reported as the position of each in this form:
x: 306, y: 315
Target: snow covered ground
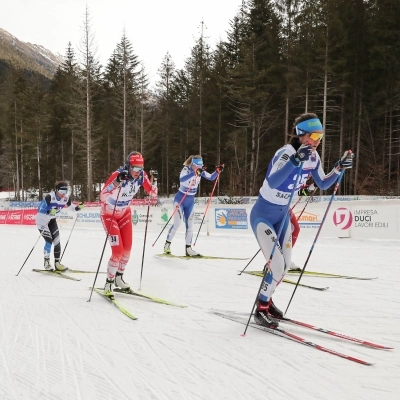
x: 54, y: 344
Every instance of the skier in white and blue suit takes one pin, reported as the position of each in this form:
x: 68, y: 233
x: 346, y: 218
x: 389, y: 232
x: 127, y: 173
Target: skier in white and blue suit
x: 271, y: 206
x: 46, y: 222
x: 189, y: 179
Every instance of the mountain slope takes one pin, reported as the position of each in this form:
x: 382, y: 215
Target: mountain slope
x: 27, y: 55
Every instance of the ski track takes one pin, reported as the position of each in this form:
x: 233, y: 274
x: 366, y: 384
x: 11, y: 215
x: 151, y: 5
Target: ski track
x: 54, y: 344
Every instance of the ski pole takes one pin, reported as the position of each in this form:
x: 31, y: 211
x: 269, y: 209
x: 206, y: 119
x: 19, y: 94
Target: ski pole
x: 205, y: 212
x: 66, y: 244
x: 176, y: 209
x: 316, y: 237
x: 144, y: 244
x: 268, y: 265
x: 104, y: 246
x: 30, y: 252
x: 241, y: 272
x: 307, y: 202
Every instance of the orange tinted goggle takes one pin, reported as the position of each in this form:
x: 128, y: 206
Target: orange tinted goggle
x: 316, y: 136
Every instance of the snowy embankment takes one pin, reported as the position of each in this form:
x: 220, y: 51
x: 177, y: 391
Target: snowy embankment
x: 54, y: 344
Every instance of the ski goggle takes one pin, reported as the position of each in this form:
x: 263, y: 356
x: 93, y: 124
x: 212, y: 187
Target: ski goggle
x: 198, y: 162
x: 136, y: 169
x: 316, y: 136
x: 62, y: 190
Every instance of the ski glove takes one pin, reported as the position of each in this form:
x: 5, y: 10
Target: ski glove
x: 306, y: 190
x: 302, y: 154
x: 346, y: 161
x: 79, y: 206
x: 154, y: 174
x: 121, y: 176
x: 198, y: 171
x: 53, y: 212
x: 220, y: 168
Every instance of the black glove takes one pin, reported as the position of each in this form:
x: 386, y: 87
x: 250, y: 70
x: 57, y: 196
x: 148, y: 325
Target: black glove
x: 303, y: 154
x: 121, y: 176
x: 79, y: 206
x: 346, y: 161
x: 199, y: 171
x: 306, y: 190
x: 220, y: 168
x: 154, y: 174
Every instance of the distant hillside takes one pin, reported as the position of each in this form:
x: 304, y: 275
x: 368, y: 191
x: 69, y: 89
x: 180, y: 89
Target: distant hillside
x: 28, y: 56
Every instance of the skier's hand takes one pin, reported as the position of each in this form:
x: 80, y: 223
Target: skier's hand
x: 346, y: 161
x: 53, y: 212
x: 121, y: 176
x: 220, y: 168
x: 79, y: 206
x: 154, y: 174
x: 198, y: 171
x: 303, y: 153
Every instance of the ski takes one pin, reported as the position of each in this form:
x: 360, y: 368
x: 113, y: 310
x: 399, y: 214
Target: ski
x: 261, y: 274
x: 199, y: 256
x: 336, y: 334
x: 306, y: 286
x: 56, y: 273
x: 312, y: 327
x: 146, y: 296
x: 298, y: 339
x: 115, y: 302
x: 78, y: 271
x: 297, y: 271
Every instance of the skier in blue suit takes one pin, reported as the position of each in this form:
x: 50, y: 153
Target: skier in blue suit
x: 189, y: 179
x: 271, y: 207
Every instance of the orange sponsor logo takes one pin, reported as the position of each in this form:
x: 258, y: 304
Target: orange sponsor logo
x: 306, y: 217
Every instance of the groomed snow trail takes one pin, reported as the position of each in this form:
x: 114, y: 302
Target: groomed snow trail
x: 54, y: 344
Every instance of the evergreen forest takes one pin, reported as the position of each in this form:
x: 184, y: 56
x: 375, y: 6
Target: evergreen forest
x: 233, y: 102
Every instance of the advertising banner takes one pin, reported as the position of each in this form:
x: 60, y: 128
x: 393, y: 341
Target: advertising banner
x: 28, y: 217
x: 14, y: 217
x: 231, y: 218
x: 3, y: 217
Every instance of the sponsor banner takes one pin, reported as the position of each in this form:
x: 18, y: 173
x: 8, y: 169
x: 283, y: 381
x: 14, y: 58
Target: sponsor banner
x: 374, y: 221
x: 24, y: 204
x: 14, y: 217
x: 231, y: 218
x: 93, y: 217
x: 308, y: 220
x: 29, y: 217
x: 3, y: 217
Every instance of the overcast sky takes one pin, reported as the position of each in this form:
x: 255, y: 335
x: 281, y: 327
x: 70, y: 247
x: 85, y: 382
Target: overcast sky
x: 153, y: 26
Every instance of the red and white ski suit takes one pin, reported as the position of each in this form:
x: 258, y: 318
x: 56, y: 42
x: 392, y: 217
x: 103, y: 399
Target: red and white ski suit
x: 116, y: 211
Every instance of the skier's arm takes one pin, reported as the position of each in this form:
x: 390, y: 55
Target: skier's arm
x: 150, y: 188
x: 109, y: 186
x: 324, y: 181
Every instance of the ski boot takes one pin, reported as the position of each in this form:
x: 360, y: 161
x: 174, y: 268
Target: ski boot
x: 109, y: 287
x: 263, y: 317
x: 294, y: 268
x: 190, y: 252
x: 47, y: 265
x: 274, y: 311
x: 167, y: 247
x: 119, y: 282
x: 58, y: 266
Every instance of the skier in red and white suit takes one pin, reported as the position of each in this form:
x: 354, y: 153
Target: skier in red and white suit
x: 116, y: 197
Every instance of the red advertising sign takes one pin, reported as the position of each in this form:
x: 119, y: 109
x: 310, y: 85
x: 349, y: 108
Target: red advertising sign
x: 29, y: 217
x: 14, y: 217
x: 3, y: 217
